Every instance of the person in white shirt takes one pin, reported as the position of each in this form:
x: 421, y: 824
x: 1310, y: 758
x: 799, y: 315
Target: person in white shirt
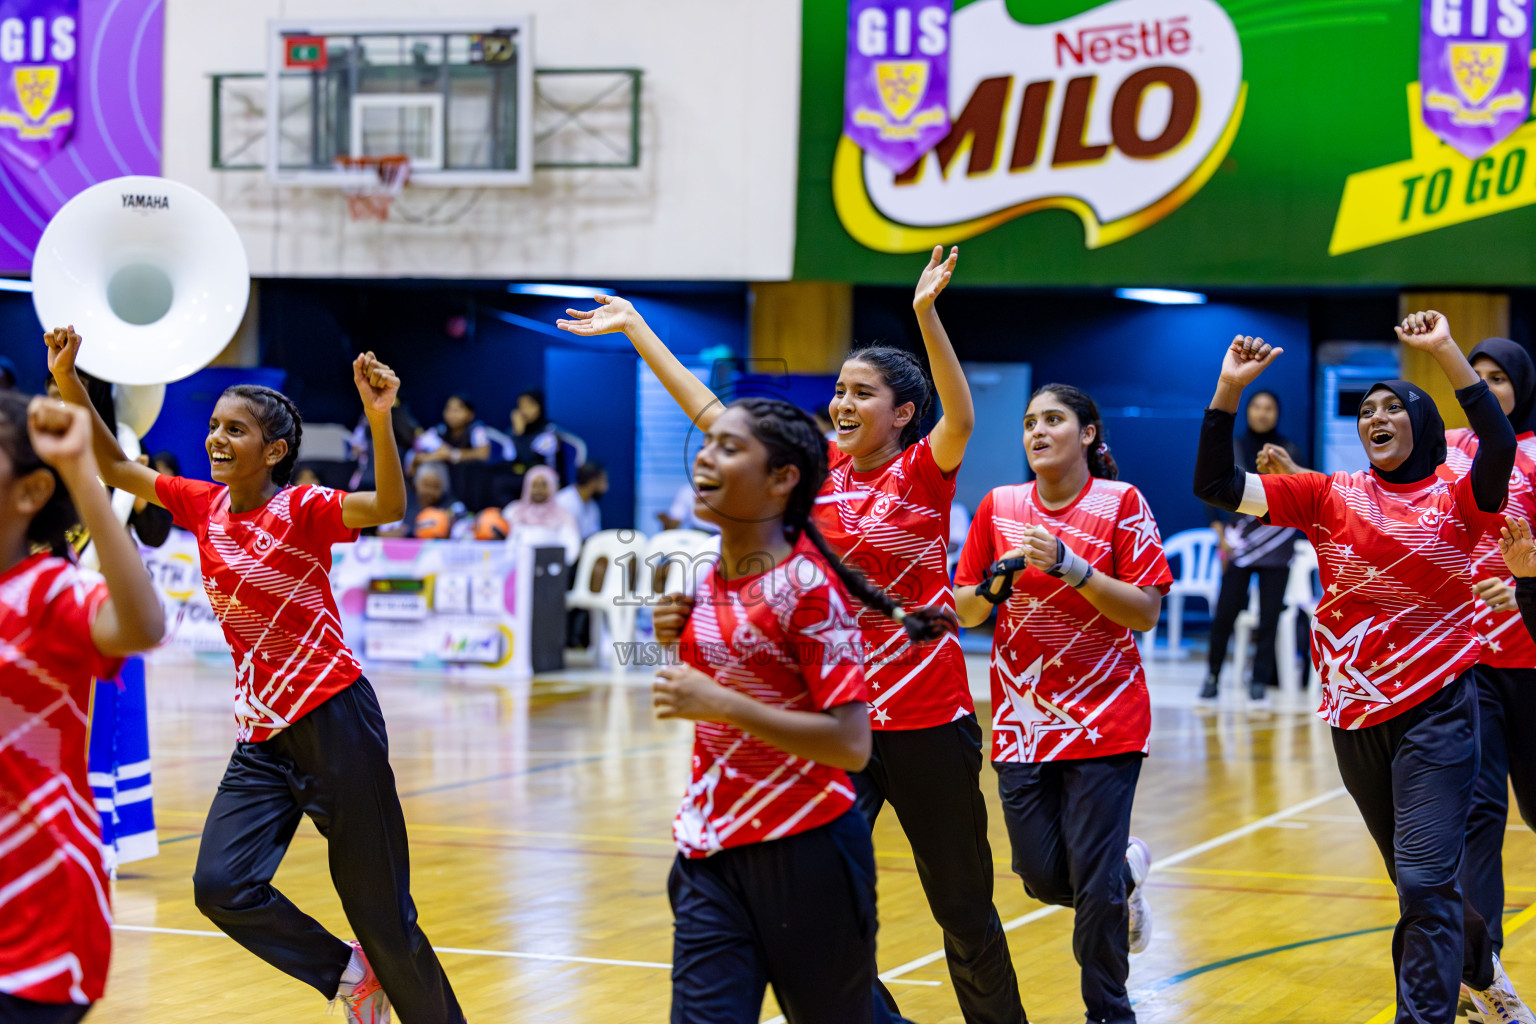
x: 681, y: 516
x: 580, y: 498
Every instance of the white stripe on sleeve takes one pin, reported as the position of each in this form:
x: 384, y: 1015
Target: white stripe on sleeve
x: 1255, y: 503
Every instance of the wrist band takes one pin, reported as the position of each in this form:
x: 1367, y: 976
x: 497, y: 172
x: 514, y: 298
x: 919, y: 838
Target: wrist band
x: 1070, y: 566
x: 1005, y: 568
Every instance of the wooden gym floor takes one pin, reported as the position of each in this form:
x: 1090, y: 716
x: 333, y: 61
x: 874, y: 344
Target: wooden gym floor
x: 540, y: 822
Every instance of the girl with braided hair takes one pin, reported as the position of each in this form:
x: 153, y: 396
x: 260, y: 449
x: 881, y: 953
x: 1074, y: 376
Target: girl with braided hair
x: 310, y: 736
x: 884, y: 509
x: 1073, y: 562
x: 774, y: 882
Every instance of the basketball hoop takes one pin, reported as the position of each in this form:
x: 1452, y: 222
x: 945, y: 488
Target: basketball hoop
x: 370, y: 194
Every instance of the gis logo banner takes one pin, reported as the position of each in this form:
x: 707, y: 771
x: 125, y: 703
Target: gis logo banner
x: 1119, y: 115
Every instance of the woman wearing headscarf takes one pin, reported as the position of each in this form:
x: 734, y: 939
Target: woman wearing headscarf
x: 538, y: 519
x: 1394, y: 643
x: 1506, y: 666
x: 1251, y: 547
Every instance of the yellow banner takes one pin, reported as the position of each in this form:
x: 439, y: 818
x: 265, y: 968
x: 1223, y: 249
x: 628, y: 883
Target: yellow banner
x: 1435, y: 188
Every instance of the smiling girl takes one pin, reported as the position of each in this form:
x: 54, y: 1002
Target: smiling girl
x: 60, y: 627
x: 310, y: 736
x: 1394, y: 643
x: 885, y: 509
x: 1075, y: 563
x: 774, y: 882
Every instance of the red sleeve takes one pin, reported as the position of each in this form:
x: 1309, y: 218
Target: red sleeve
x: 922, y: 466
x: 74, y: 598
x: 317, y: 513
x: 188, y: 501
x: 978, y: 552
x: 1138, y: 546
x: 827, y: 646
x: 1295, y: 500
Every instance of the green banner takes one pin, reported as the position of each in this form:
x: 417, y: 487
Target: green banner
x: 1167, y: 142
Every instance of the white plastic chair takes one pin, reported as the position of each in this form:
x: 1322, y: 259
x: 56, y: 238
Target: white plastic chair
x: 1301, y: 596
x: 672, y: 562
x: 613, y: 604
x: 1199, y: 576
x: 1242, y: 631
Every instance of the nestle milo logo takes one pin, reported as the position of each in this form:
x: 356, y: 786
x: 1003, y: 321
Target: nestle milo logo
x: 1118, y: 115
x: 146, y: 203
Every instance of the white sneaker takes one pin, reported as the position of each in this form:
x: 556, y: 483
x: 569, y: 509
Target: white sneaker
x: 1464, y: 1007
x: 1139, y: 857
x: 364, y: 1002
x: 1498, y: 1002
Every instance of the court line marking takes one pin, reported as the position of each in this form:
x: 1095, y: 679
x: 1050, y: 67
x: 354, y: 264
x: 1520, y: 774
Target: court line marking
x: 1176, y: 858
x: 1517, y: 922
x: 502, y: 953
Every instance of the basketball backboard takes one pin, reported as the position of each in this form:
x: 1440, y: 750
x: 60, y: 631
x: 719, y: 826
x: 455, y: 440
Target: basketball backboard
x: 454, y: 95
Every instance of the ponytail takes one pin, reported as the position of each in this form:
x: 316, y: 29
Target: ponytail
x: 1100, y: 462
x: 792, y: 438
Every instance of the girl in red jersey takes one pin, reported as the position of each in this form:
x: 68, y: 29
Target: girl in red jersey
x: 1394, y: 643
x: 774, y: 882
x: 885, y: 509
x: 1506, y: 666
x: 310, y: 736
x: 1076, y: 563
x: 60, y: 627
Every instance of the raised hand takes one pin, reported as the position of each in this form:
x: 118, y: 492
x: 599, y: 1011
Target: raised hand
x: 935, y: 276
x: 63, y: 346
x: 613, y: 314
x: 376, y: 383
x: 1245, y: 359
x: 1517, y: 547
x: 1276, y: 460
x: 61, y: 436
x: 1426, y: 331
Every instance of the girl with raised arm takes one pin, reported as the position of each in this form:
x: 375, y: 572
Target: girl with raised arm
x: 310, y: 738
x: 60, y: 628
x: 774, y: 883
x: 1394, y: 643
x: 1075, y: 563
x: 885, y: 509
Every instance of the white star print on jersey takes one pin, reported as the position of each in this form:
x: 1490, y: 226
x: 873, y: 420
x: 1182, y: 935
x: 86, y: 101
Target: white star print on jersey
x: 1504, y: 639
x: 1395, y: 622
x: 267, y: 575
x: 55, y: 910
x: 892, y: 524
x: 1067, y: 682
x: 786, y: 638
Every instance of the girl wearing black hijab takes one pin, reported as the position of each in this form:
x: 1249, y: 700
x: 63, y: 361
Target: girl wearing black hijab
x: 1394, y: 644
x: 1506, y: 668
x: 1250, y: 547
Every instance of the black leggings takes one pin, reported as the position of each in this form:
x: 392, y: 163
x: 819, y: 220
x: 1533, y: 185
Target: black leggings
x: 332, y: 765
x: 1230, y: 604
x: 15, y: 1010
x: 1506, y: 703
x: 931, y: 778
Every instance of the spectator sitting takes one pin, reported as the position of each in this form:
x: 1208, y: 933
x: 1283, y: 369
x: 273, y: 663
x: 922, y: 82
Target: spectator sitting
x: 535, y: 441
x: 459, y: 438
x: 430, y: 512
x: 537, y: 519
x: 360, y: 445
x: 580, y: 498
x: 681, y: 515
x: 305, y: 476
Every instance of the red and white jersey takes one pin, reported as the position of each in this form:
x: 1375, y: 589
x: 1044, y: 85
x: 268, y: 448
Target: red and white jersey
x: 786, y: 638
x: 892, y: 525
x: 1505, y: 641
x: 267, y: 576
x: 55, y: 907
x: 1395, y: 621
x: 1067, y: 682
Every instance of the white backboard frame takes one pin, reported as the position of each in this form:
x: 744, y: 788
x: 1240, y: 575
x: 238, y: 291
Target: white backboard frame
x: 433, y: 102
x: 277, y: 28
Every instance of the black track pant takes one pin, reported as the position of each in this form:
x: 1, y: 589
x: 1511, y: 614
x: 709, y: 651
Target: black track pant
x: 1506, y: 704
x: 931, y: 778
x: 1069, y: 823
x: 333, y: 765
x: 14, y: 1010
x: 1230, y: 603
x: 1412, y: 778
x: 796, y: 913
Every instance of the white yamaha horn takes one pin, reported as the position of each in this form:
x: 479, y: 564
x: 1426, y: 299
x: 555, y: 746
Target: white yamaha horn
x: 151, y: 274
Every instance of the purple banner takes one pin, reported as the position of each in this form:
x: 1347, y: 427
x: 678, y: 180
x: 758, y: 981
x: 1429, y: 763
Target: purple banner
x: 38, y: 51
x: 1475, y: 71
x: 71, y: 119
x: 896, y: 90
